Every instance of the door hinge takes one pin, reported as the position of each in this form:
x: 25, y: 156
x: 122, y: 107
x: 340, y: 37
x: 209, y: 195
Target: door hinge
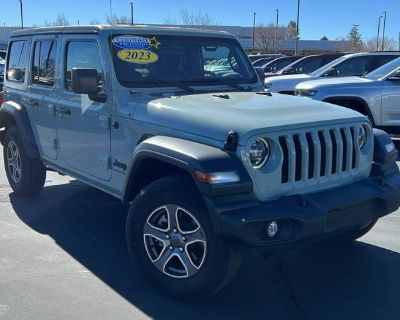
x: 55, y: 144
x: 105, y: 122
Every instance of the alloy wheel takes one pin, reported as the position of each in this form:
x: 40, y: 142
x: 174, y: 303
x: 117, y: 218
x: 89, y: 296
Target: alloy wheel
x: 175, y: 241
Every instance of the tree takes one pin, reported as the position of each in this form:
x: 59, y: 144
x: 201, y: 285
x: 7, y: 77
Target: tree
x: 324, y: 38
x: 60, y: 21
x: 114, y: 19
x: 94, y: 22
x: 291, y: 30
x: 195, y: 19
x: 389, y: 44
x: 355, y: 38
x: 267, y: 39
x: 189, y: 18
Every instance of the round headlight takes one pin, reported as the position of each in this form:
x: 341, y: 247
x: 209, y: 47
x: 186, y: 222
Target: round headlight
x: 259, y: 153
x: 362, y: 137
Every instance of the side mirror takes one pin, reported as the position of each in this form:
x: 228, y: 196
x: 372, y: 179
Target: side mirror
x: 333, y: 72
x: 395, y: 76
x: 84, y: 81
x: 16, y: 74
x: 261, y: 73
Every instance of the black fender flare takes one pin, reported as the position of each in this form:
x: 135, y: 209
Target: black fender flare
x: 188, y: 156
x: 12, y: 111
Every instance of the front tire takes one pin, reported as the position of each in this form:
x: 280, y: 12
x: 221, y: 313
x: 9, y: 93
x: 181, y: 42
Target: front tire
x: 172, y: 243
x: 26, y: 176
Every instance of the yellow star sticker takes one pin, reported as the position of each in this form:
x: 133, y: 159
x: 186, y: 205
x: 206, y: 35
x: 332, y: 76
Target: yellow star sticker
x: 154, y: 43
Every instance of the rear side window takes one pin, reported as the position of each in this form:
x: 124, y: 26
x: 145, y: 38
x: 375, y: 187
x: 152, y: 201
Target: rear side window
x: 83, y: 54
x: 357, y: 66
x: 18, y: 61
x: 381, y: 60
x: 44, y: 58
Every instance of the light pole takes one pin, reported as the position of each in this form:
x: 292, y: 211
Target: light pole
x: 297, y: 27
x: 383, y: 31
x: 22, y: 15
x: 379, y: 29
x: 276, y: 30
x: 131, y: 13
x: 111, y: 12
x: 254, y: 29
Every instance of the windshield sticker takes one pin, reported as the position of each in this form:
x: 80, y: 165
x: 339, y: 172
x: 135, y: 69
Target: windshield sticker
x: 135, y: 42
x: 138, y: 56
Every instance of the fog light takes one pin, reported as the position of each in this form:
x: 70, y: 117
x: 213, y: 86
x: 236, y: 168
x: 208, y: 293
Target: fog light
x: 272, y: 229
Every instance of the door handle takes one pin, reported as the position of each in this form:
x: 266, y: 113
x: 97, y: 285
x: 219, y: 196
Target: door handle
x: 63, y: 111
x: 30, y: 102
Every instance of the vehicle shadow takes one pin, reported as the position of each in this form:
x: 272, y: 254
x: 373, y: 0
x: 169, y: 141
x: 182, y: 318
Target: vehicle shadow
x: 358, y: 281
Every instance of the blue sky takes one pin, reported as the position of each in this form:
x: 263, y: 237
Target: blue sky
x: 332, y: 18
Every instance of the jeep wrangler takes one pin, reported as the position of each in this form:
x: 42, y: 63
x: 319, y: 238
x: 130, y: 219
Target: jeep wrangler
x: 176, y: 123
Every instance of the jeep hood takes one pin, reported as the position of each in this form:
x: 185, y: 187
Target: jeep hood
x: 333, y: 82
x: 212, y: 116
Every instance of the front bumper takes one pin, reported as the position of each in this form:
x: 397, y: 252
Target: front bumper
x: 312, y: 216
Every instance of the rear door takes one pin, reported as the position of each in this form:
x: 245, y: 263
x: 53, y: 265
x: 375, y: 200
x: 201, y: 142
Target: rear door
x: 83, y: 124
x: 41, y: 98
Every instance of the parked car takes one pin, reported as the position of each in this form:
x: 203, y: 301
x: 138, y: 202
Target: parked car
x: 210, y: 165
x: 262, y: 61
x: 274, y: 66
x: 3, y: 54
x: 356, y: 64
x: 309, y: 64
x: 255, y: 57
x: 376, y: 95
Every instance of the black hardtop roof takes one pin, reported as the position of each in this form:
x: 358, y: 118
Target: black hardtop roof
x: 119, y: 29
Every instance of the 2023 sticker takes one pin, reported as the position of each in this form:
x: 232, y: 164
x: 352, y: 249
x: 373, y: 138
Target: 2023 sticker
x: 137, y: 56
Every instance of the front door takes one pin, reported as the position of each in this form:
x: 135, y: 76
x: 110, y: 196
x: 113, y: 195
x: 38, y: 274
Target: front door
x: 391, y: 103
x: 83, y: 125
x: 41, y: 94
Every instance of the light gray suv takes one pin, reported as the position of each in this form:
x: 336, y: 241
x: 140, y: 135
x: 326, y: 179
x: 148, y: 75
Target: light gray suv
x: 355, y: 64
x: 376, y: 95
x: 210, y: 164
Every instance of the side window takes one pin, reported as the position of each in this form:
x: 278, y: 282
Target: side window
x: 83, y: 54
x: 357, y: 66
x: 17, y: 61
x: 381, y: 60
x: 309, y: 65
x: 44, y: 57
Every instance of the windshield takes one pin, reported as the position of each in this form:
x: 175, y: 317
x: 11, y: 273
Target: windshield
x: 146, y: 61
x: 384, y: 70
x: 328, y: 66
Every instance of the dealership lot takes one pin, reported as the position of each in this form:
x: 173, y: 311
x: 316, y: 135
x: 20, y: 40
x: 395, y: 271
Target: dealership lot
x: 63, y: 256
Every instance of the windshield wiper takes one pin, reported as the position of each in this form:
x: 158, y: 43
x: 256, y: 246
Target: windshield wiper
x: 172, y: 84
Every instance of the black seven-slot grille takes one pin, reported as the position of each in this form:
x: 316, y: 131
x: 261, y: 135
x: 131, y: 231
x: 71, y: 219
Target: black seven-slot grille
x: 317, y: 154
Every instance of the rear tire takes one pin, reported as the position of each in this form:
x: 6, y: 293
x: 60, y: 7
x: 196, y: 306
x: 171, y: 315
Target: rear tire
x: 172, y: 242
x: 26, y: 176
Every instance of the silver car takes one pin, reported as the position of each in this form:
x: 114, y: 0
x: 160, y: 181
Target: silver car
x: 376, y: 95
x: 356, y: 64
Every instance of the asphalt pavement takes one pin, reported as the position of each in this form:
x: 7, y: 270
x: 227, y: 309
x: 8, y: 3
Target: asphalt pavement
x: 63, y: 256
